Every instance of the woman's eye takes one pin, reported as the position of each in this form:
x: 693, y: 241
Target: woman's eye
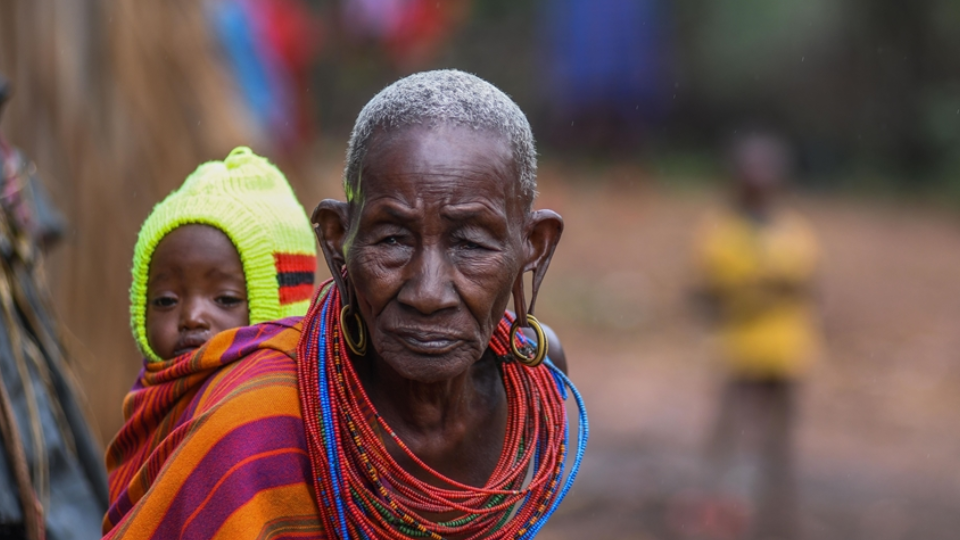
x: 469, y: 245
x: 164, y: 302
x: 390, y: 241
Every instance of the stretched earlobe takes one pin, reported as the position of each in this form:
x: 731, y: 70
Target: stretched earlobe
x: 543, y: 234
x: 519, y: 302
x: 525, y: 318
x: 330, y: 221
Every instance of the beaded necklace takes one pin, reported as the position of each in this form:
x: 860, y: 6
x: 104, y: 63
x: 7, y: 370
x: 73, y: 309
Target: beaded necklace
x: 363, y: 492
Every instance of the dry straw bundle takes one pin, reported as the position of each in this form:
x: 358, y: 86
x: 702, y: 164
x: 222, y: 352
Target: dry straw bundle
x: 117, y: 101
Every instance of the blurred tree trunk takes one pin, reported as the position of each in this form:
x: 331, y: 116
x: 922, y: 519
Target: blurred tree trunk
x: 117, y: 101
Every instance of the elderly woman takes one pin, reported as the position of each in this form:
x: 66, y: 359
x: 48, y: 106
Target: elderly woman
x: 407, y: 403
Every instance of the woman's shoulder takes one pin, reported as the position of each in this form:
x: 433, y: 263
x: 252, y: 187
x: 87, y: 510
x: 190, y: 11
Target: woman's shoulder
x: 555, y: 350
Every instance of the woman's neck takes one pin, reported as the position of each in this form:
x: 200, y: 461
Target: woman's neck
x: 434, y: 406
x: 451, y: 425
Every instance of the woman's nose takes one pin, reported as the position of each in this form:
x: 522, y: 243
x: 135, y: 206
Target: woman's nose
x: 193, y: 316
x: 430, y: 287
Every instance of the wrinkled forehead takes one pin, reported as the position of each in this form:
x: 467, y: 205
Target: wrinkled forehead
x: 446, y: 162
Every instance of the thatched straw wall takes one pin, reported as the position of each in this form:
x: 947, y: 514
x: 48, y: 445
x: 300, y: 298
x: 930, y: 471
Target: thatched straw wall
x: 117, y: 101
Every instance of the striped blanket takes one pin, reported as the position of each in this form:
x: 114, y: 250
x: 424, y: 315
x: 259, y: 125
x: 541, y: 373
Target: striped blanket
x: 213, y: 445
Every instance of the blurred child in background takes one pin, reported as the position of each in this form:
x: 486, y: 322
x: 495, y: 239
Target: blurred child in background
x: 757, y: 265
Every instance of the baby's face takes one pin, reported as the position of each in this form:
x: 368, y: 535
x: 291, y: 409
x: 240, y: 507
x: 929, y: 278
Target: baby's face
x: 195, y: 289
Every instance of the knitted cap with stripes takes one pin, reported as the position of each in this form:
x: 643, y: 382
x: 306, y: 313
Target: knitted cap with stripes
x: 249, y: 199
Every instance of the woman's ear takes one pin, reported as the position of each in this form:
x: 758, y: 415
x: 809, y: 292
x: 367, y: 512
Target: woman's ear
x: 543, y: 234
x: 330, y: 220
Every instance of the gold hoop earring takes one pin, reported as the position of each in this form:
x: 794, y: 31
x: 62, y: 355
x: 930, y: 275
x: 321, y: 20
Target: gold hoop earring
x: 358, y: 347
x: 541, y: 354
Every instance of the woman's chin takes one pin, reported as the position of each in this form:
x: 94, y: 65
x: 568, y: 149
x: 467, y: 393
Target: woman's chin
x: 437, y: 364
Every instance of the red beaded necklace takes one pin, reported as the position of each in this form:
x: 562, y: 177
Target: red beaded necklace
x: 364, y: 493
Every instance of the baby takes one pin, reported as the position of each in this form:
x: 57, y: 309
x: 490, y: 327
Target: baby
x: 232, y: 247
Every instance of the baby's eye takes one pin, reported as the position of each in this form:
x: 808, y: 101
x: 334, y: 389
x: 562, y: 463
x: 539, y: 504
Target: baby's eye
x: 229, y: 300
x: 164, y: 302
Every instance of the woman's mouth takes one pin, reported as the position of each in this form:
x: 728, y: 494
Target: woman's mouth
x: 427, y: 342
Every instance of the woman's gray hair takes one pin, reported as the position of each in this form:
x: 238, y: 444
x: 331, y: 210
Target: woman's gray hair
x: 439, y: 97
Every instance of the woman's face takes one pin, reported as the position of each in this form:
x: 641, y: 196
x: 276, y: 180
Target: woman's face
x: 434, y: 244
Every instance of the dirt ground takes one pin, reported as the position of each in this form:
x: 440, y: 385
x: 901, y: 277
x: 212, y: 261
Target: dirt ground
x: 878, y: 444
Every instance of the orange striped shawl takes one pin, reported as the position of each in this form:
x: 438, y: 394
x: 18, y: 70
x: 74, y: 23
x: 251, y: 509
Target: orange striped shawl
x: 213, y: 445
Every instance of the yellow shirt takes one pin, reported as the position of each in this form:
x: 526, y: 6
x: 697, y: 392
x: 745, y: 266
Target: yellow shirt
x: 760, y: 274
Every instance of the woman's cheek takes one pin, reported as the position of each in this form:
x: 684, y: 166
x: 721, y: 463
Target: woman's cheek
x: 486, y: 299
x: 375, y: 274
x: 380, y: 256
x: 490, y: 266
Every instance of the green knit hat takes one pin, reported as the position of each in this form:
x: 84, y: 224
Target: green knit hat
x: 249, y: 199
